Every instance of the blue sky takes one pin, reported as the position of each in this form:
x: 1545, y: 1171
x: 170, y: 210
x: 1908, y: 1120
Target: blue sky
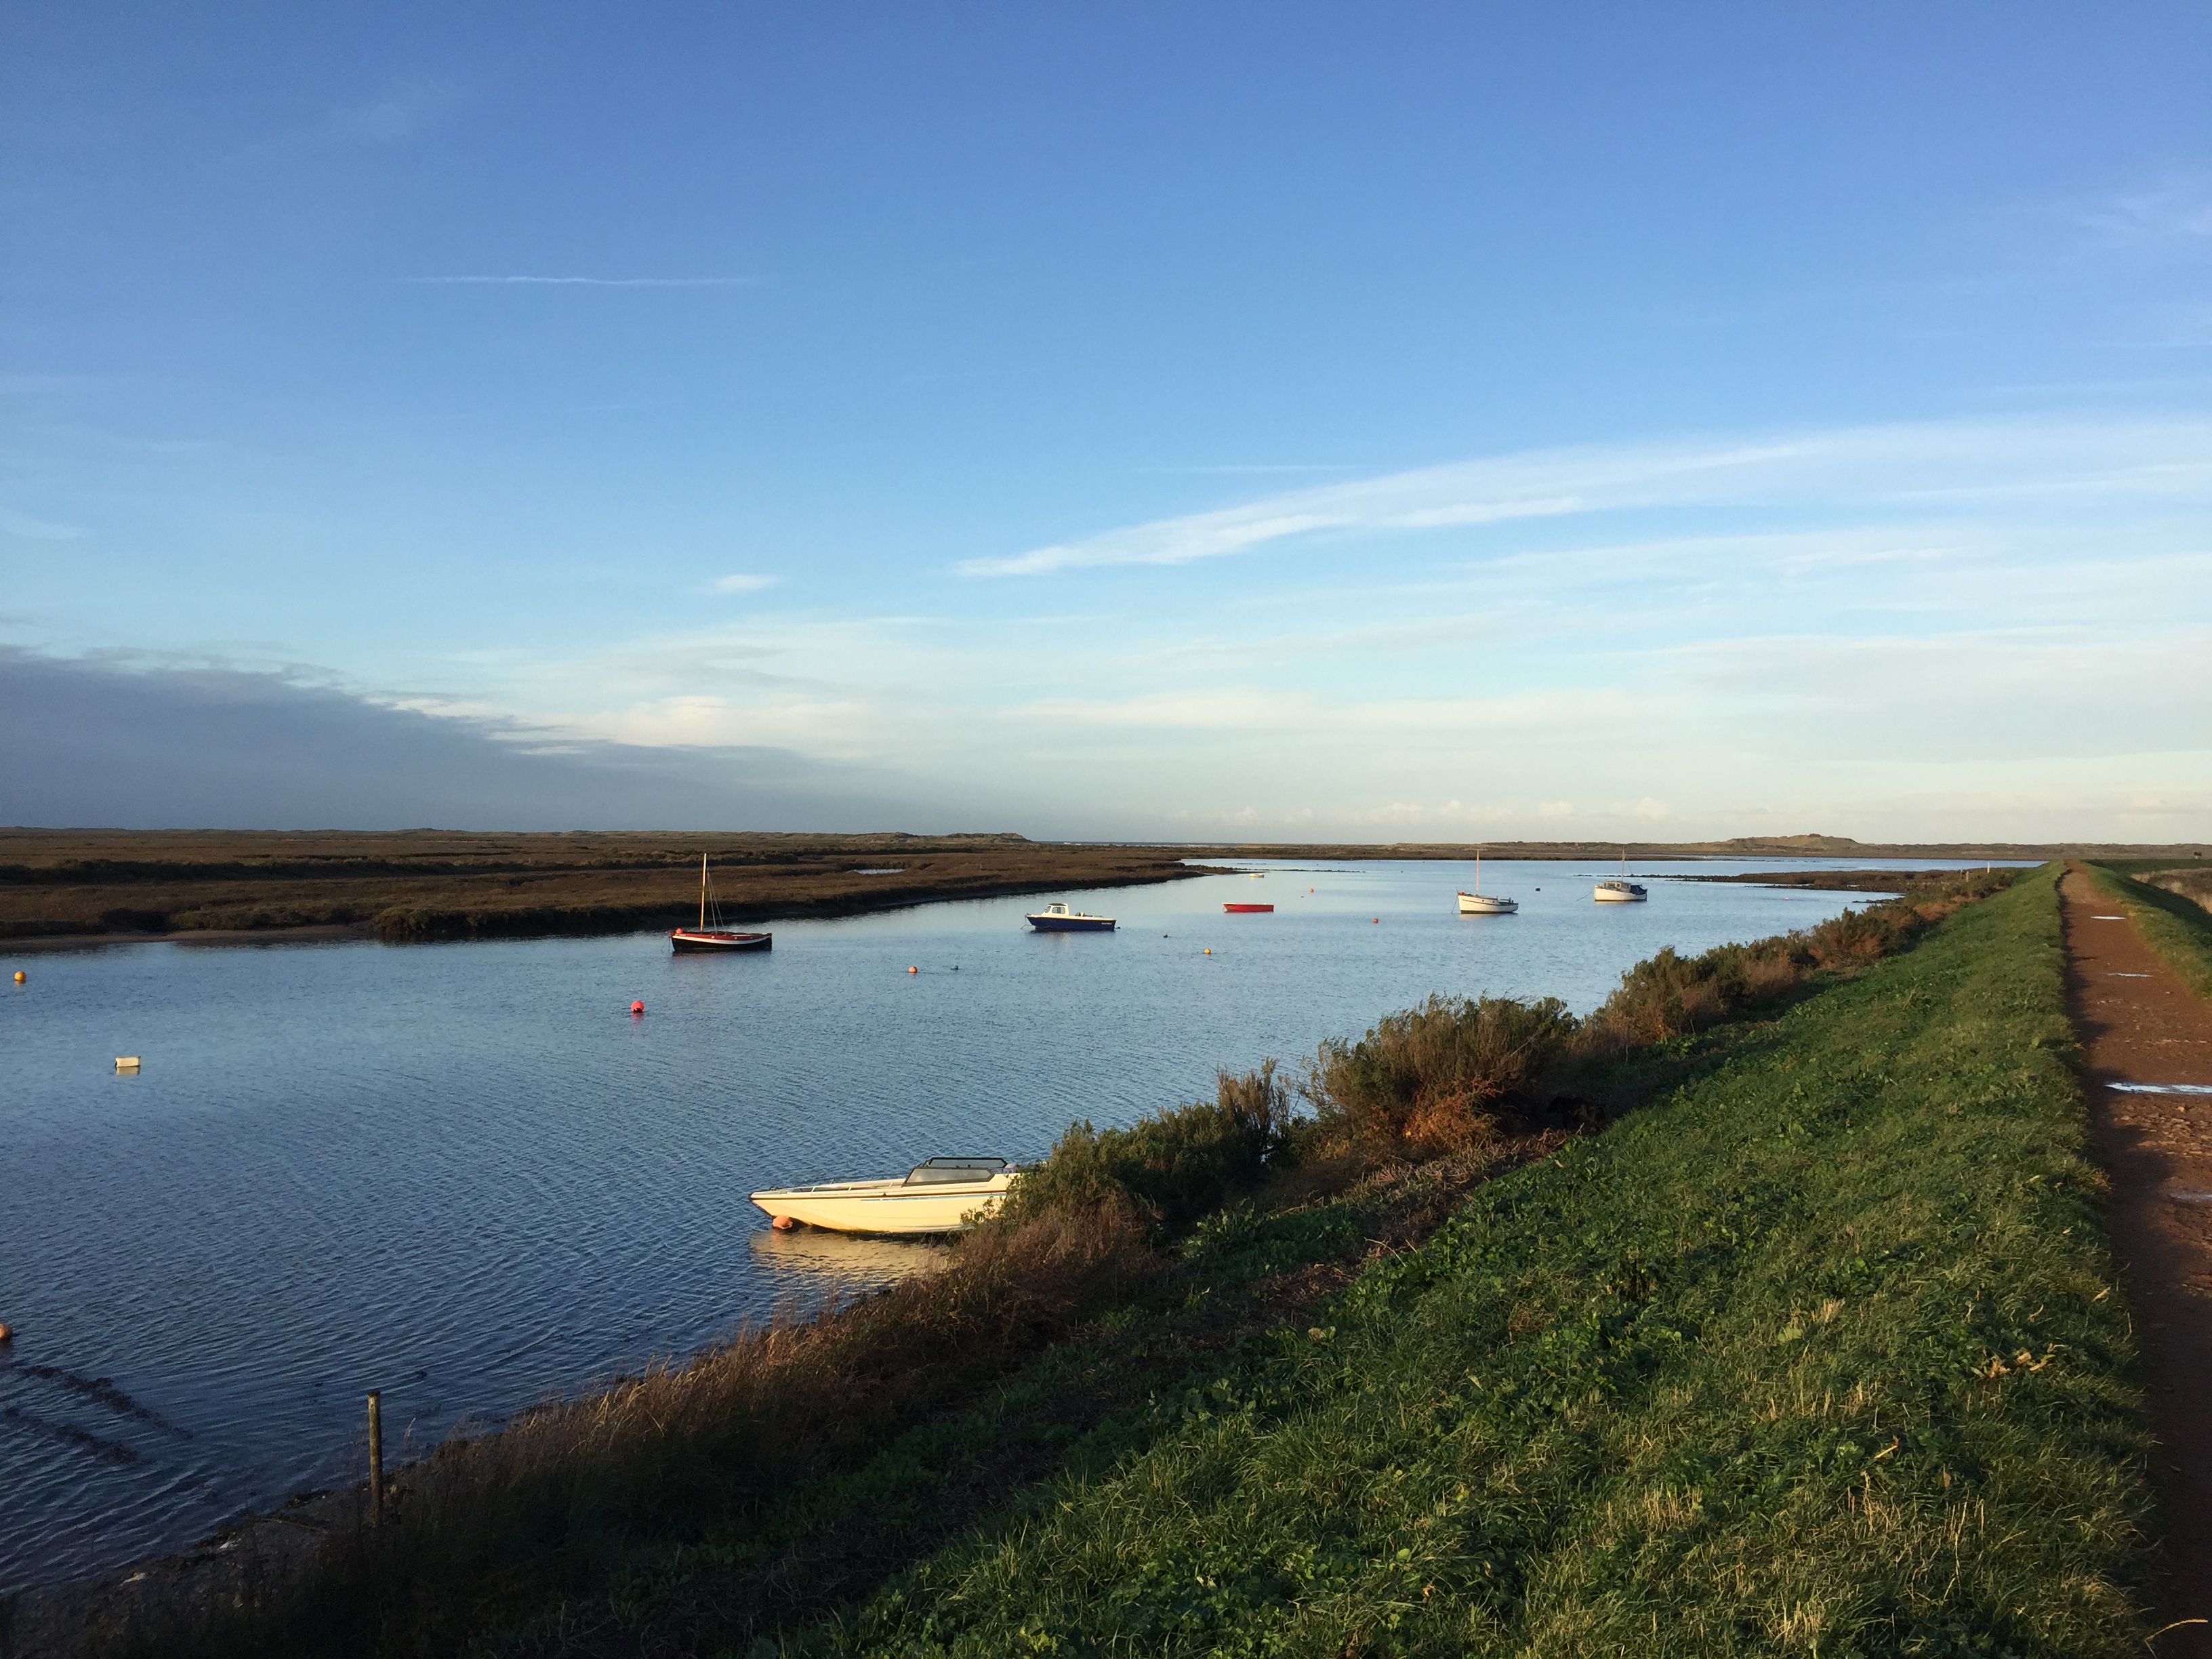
x: 1283, y: 421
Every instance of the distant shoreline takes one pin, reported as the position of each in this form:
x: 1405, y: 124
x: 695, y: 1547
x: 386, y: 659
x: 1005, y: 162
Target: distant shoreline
x: 72, y: 889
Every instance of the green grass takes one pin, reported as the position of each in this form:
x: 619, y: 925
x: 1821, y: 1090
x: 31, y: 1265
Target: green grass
x: 1821, y: 1354
x: 2179, y: 930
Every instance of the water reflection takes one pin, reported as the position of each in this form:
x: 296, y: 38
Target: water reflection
x: 810, y: 1264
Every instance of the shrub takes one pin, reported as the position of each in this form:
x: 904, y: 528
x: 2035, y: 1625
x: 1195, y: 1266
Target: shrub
x: 1670, y: 995
x: 1170, y: 1168
x: 1432, y: 1079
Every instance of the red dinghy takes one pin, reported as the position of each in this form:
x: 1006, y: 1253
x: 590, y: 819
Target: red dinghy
x: 703, y: 938
x: 1249, y: 909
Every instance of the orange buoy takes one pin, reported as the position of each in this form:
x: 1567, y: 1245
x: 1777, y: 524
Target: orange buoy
x: 637, y: 1007
x: 7, y: 1332
x: 914, y: 970
x: 1209, y: 950
x: 19, y: 976
x: 783, y: 1224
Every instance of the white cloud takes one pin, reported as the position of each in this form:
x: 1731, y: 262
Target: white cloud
x: 1867, y: 469
x: 403, y: 109
x: 2176, y: 209
x: 581, y: 282
x: 742, y: 582
x: 39, y: 529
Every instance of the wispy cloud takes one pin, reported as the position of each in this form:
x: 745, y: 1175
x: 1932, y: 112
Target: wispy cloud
x: 742, y: 582
x: 1859, y: 468
x: 2177, y: 209
x: 38, y: 529
x: 581, y: 282
x: 403, y: 109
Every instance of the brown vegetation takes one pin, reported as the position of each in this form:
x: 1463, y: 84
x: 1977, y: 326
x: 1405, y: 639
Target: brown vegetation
x: 422, y: 885
x: 2195, y: 885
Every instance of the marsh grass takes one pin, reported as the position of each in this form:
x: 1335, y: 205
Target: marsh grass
x: 492, y: 1529
x: 1822, y: 1354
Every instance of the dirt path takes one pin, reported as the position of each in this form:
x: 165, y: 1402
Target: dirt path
x: 2140, y: 1025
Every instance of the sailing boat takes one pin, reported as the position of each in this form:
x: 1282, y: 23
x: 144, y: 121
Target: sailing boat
x: 1477, y: 904
x: 1619, y: 890
x: 703, y: 938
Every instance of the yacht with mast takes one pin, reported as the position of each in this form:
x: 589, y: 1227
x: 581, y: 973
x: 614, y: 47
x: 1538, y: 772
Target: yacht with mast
x: 1619, y: 889
x: 1478, y: 903
x: 703, y: 938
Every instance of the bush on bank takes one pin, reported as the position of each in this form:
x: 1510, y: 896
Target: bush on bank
x: 1825, y: 1354
x: 1451, y: 1073
x: 1170, y: 1168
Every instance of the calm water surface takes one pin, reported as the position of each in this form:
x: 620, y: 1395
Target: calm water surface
x: 463, y: 1173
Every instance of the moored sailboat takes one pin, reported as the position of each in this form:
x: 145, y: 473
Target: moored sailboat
x: 703, y: 938
x: 1619, y: 889
x: 1478, y: 903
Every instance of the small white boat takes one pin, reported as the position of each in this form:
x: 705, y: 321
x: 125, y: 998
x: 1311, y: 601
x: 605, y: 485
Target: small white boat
x: 1478, y: 903
x: 935, y: 1196
x: 1619, y: 889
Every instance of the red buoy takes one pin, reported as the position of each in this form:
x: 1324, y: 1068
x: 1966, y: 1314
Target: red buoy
x: 914, y: 970
x: 637, y: 1007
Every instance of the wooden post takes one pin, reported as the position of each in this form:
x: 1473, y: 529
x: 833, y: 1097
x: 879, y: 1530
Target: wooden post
x: 376, y: 1457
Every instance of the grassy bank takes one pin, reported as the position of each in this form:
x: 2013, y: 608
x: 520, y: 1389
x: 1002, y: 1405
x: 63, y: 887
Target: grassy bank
x: 1821, y: 1354
x: 1745, y: 1369
x: 2173, y: 924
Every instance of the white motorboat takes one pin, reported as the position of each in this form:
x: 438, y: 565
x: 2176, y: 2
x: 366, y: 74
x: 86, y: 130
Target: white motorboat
x: 935, y: 1196
x: 1619, y: 889
x: 1478, y: 903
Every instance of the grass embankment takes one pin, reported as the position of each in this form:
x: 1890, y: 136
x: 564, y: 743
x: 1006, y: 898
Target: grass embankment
x: 2172, y: 923
x: 1820, y: 1347
x: 1821, y: 1354
x: 428, y: 885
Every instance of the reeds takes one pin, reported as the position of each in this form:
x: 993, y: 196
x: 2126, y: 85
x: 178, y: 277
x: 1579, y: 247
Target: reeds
x: 493, y: 1528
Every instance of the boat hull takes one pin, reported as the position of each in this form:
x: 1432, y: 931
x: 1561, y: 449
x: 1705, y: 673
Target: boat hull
x: 1249, y: 909
x: 1619, y: 892
x: 1072, y: 924
x: 700, y: 940
x: 1481, y: 904
x: 885, y: 1206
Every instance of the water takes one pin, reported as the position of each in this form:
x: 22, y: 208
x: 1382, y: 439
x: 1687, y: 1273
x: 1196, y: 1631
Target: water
x: 463, y: 1173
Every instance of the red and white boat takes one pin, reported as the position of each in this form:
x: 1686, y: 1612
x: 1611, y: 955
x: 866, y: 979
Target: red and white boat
x: 703, y: 938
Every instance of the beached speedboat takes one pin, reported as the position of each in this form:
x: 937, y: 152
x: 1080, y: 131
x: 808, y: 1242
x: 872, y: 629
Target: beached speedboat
x: 935, y: 1196
x: 1478, y: 903
x: 703, y: 938
x: 1057, y: 918
x: 1619, y: 889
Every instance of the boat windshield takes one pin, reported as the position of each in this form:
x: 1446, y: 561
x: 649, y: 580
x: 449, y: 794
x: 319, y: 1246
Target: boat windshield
x: 940, y: 1169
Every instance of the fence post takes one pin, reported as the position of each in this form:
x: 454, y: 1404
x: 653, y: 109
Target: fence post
x: 376, y: 1457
